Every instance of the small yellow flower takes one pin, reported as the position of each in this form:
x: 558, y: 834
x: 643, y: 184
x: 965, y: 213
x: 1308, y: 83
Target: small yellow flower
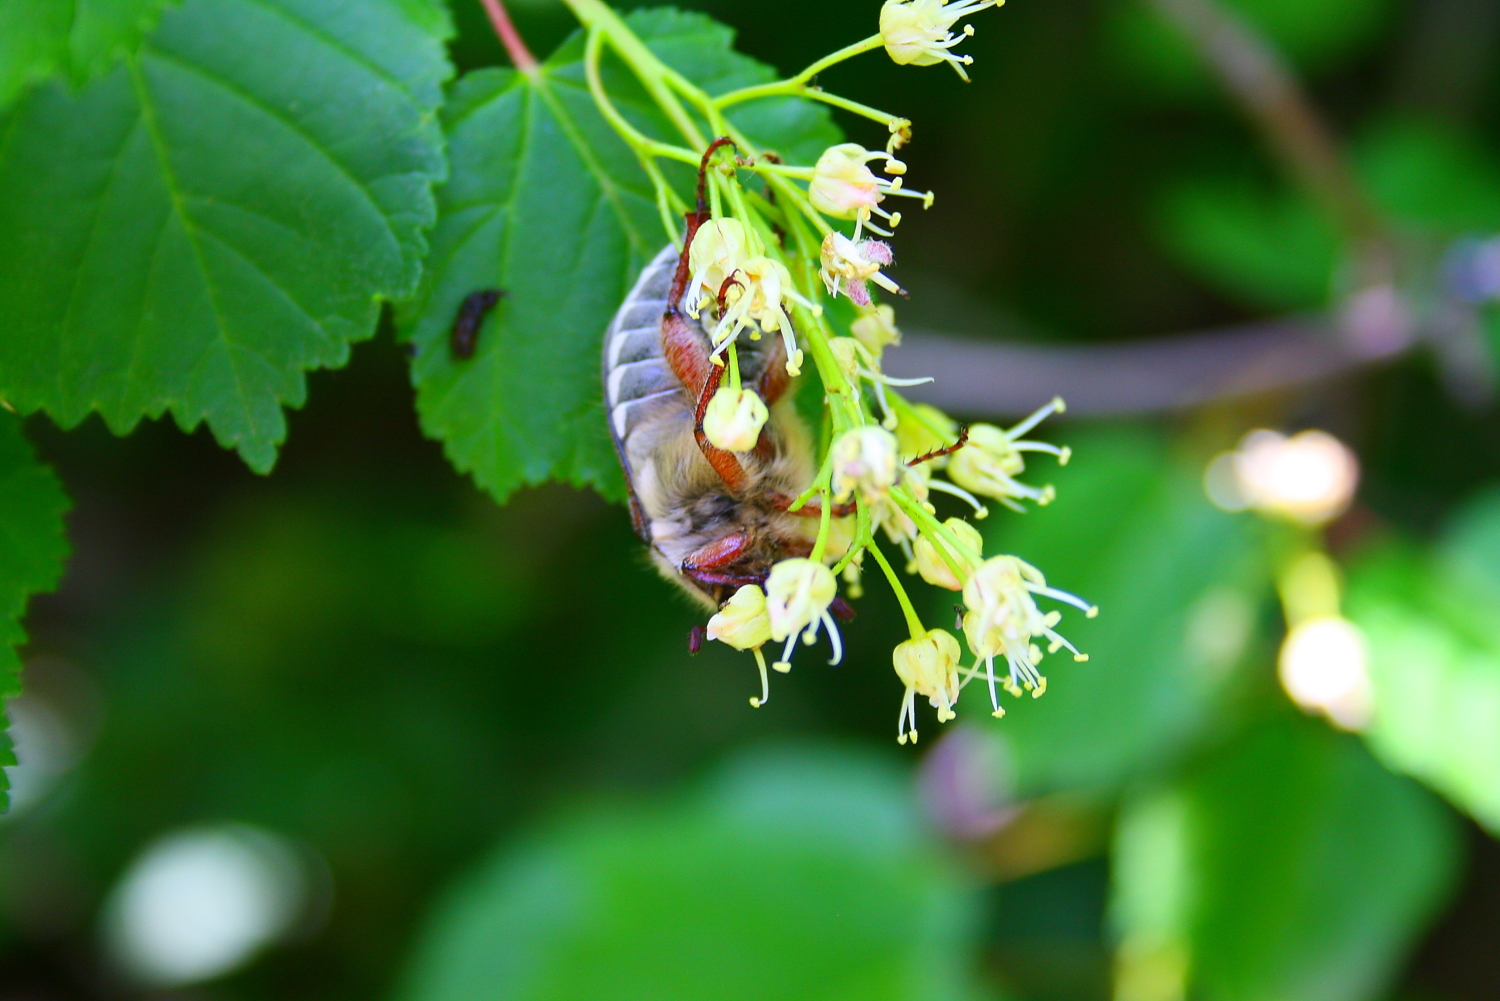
x: 876, y: 329
x: 720, y: 249
x: 844, y: 188
x: 865, y: 462
x: 917, y: 32
x: 927, y: 666
x: 757, y: 294
x: 990, y: 462
x: 930, y: 563
x: 742, y: 622
x: 798, y: 593
x: 1003, y: 620
x: 734, y: 418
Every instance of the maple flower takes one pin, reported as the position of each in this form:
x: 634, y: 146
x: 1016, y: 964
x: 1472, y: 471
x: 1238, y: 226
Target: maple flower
x: 865, y: 461
x: 798, y: 593
x: 756, y: 295
x: 734, y: 418
x: 844, y: 188
x: 990, y: 462
x: 848, y: 265
x: 742, y: 622
x: 720, y: 248
x: 1003, y: 620
x: 876, y: 329
x: 927, y: 666
x: 930, y: 563
x: 918, y: 32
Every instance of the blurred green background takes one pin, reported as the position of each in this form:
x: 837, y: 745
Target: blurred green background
x: 452, y: 750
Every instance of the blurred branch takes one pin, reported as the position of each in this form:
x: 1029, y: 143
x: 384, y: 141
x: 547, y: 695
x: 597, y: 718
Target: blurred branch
x: 1163, y: 374
x: 1256, y: 76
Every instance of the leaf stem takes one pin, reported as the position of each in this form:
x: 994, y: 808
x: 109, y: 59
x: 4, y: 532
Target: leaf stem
x: 792, y: 84
x: 913, y: 623
x: 515, y: 46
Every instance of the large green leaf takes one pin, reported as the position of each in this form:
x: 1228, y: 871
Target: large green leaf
x: 1433, y: 631
x: 1288, y: 865
x: 195, y: 230
x: 32, y: 549
x: 794, y: 875
x: 1176, y: 581
x: 76, y: 38
x: 548, y: 204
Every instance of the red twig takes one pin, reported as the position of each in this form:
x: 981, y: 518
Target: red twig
x: 509, y: 37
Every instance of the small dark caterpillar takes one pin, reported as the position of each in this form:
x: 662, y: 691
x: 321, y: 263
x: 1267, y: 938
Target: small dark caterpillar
x: 470, y: 318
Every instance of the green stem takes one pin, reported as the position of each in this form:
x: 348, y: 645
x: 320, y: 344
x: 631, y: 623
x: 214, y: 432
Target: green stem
x: 793, y: 84
x: 913, y: 623
x: 651, y: 71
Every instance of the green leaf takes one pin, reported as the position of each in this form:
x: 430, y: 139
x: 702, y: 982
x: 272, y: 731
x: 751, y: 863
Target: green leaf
x: 1288, y: 865
x: 79, y: 39
x: 548, y: 204
x: 1432, y: 627
x: 1269, y: 249
x: 793, y: 875
x: 1177, y: 583
x: 1431, y: 178
x: 195, y: 230
x: 32, y: 549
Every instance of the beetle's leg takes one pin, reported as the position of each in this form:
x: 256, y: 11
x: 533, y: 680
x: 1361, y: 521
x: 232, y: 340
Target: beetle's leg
x: 812, y: 509
x: 938, y: 453
x: 687, y: 354
x: 724, y: 579
x: 694, y: 219
x: 717, y: 554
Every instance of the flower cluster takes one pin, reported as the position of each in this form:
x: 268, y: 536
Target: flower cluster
x: 775, y: 244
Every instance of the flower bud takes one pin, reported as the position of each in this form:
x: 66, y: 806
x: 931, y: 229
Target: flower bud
x: 734, y: 418
x: 930, y: 563
x: 798, y: 594
x: 865, y: 461
x: 742, y: 622
x: 927, y: 666
x: 842, y: 186
x: 876, y: 329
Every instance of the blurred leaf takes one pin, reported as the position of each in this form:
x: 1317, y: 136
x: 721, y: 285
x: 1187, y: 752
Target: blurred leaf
x: 1312, y: 34
x: 1431, y: 178
x: 220, y: 214
x: 1288, y: 865
x: 548, y: 204
x: 1177, y: 583
x: 793, y: 875
x: 78, y: 38
x: 32, y: 549
x: 1269, y: 249
x: 1433, y: 632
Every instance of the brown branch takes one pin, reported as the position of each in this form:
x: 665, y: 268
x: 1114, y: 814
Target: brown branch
x: 515, y: 46
x: 1161, y: 374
